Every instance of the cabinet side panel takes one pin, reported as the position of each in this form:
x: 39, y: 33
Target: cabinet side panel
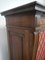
x: 36, y: 40
x: 28, y: 45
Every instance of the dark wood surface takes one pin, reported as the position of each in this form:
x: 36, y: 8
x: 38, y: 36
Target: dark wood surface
x: 21, y: 44
x: 23, y: 23
x: 22, y: 20
x: 33, y: 6
x: 36, y: 40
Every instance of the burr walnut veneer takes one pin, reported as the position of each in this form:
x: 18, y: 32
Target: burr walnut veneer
x: 23, y: 26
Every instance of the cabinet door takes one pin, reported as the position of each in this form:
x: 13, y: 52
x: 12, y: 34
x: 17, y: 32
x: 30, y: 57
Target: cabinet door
x: 21, y: 44
x: 16, y: 44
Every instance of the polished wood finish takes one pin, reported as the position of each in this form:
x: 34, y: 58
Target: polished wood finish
x: 36, y: 40
x: 23, y: 26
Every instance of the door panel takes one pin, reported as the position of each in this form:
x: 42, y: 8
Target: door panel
x: 17, y: 45
x: 17, y: 48
x: 21, y: 44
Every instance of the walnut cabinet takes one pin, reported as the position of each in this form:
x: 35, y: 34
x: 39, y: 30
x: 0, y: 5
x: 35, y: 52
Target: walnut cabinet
x: 23, y: 25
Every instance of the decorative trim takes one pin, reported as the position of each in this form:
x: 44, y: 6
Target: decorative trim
x: 21, y: 27
x: 34, y: 6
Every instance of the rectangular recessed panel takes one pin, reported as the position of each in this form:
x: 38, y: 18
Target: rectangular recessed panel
x: 16, y: 47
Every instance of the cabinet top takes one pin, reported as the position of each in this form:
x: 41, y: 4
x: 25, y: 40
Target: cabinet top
x: 33, y: 6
